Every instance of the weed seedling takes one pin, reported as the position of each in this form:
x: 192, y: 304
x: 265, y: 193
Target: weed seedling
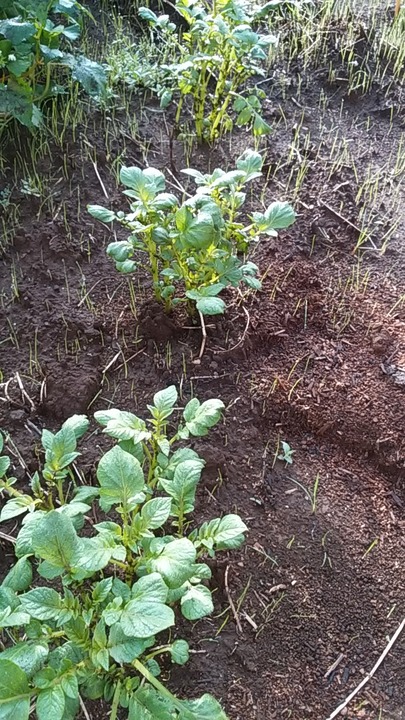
x: 312, y: 495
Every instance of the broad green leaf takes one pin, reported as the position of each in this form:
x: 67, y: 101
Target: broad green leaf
x: 72, y: 32
x: 124, y: 649
x: 126, y: 267
x: 175, y: 562
x: 141, y: 619
x: 14, y: 692
x: 17, y: 31
x: 120, y: 251
x: 23, y: 545
x: 197, y: 602
x: 19, y: 578
x: 61, y: 443
x: 99, y: 636
x: 180, y: 456
x: 122, y: 425
x: 54, y: 539
x: 51, y: 54
x: 120, y: 476
x: 278, y: 215
x: 17, y: 102
x: 205, y: 708
x: 201, y: 571
x: 251, y: 162
x: 113, y: 611
x: 230, y: 531
x: 4, y: 464
x: 9, y: 618
x: 146, y: 183
x: 200, y: 417
x: 121, y: 590
x: 8, y: 599
x: 164, y: 400
x: 225, y: 533
x: 91, y: 75
x: 155, y: 512
x: 85, y: 494
x: 93, y: 687
x: 150, y: 588
x: 261, y: 127
x: 199, y: 178
x: 101, y: 213
x: 132, y: 448
x: 50, y: 703
x: 70, y: 685
x: 101, y: 590
x: 210, y: 305
x: 183, y: 484
x: 42, y: 603
x: 29, y: 656
x: 148, y: 704
x: 17, y: 506
x: 93, y: 554
x: 199, y: 232
x: 78, y: 423
x: 179, y: 652
x: 164, y: 447
x: 72, y: 707
x: 148, y: 15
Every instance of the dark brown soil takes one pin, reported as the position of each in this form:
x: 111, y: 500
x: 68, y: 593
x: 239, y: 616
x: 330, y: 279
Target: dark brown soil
x: 316, y: 359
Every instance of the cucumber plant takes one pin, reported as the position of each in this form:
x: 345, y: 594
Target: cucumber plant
x: 216, y: 56
x: 106, y: 622
x: 192, y: 248
x: 36, y: 39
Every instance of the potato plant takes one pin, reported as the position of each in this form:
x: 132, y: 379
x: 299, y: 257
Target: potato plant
x: 60, y: 453
x: 192, y: 247
x: 93, y: 615
x: 216, y: 56
x: 36, y: 39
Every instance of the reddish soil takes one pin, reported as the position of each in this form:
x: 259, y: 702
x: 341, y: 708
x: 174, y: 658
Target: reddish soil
x: 313, y: 359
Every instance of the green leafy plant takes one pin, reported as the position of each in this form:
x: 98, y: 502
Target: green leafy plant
x: 60, y: 453
x: 216, y: 56
x: 192, y: 246
x: 287, y: 453
x: 33, y: 36
x: 103, y: 627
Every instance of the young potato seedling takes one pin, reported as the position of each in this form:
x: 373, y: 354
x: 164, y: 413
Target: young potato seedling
x: 287, y: 453
x: 98, y: 615
x: 192, y: 247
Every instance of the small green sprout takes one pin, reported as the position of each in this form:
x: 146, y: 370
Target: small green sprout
x: 287, y: 453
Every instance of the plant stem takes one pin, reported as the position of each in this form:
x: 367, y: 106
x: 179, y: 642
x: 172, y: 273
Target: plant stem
x: 59, y: 485
x: 115, y: 702
x: 161, y: 688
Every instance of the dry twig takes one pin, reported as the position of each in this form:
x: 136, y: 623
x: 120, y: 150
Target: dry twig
x: 241, y: 340
x: 204, y: 339
x: 231, y: 603
x: 370, y: 674
x: 23, y: 391
x: 84, y: 709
